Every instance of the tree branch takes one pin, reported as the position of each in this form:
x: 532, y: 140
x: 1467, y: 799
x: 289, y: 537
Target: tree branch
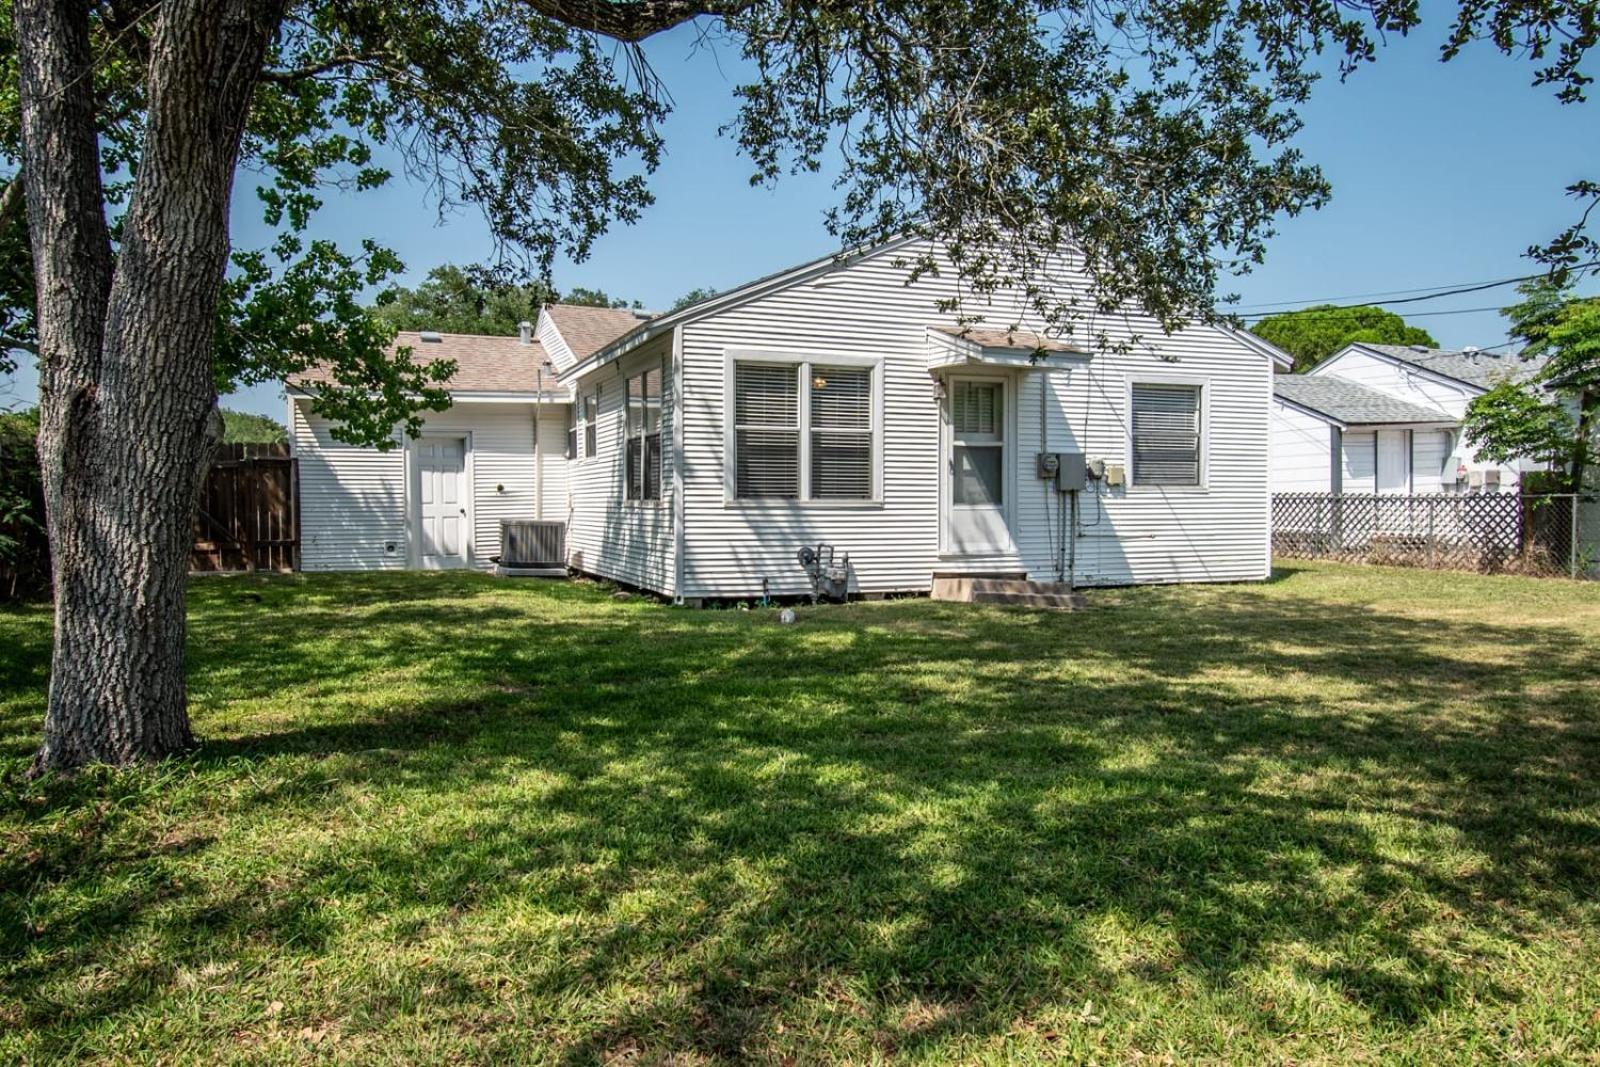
x: 633, y: 20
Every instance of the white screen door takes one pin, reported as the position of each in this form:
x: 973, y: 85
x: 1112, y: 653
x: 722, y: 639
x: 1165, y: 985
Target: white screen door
x: 1394, y: 462
x: 975, y: 468
x: 441, y: 500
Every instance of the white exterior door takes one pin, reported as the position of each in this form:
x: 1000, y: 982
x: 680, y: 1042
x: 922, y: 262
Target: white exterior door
x: 1394, y: 462
x: 976, y: 468
x: 441, y: 501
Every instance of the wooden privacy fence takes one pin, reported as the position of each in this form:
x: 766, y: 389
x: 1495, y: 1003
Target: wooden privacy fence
x: 1486, y: 532
x: 249, y: 513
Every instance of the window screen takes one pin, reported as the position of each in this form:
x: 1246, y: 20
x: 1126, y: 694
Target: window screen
x: 1166, y: 435
x: 841, y: 433
x: 766, y: 426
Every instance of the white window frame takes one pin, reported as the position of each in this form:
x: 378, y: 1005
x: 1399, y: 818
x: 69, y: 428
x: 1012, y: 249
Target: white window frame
x: 803, y: 363
x: 663, y: 368
x: 1203, y: 384
x: 589, y: 429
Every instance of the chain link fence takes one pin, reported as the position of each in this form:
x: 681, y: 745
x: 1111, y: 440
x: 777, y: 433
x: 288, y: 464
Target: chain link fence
x: 1492, y: 533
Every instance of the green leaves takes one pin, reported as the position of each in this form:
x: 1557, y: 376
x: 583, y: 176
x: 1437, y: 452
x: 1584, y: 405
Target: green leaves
x: 1313, y: 334
x: 1553, y: 417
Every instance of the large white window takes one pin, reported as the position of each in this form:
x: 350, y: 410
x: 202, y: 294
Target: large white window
x: 1166, y: 434
x: 977, y: 447
x: 803, y: 431
x: 643, y: 467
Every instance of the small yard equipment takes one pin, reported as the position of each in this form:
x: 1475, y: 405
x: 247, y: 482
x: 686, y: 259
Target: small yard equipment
x: 830, y: 579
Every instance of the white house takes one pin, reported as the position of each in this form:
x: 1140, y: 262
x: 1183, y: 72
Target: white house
x: 694, y: 453
x: 1386, y: 419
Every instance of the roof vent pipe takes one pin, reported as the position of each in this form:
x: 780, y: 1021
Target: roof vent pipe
x: 525, y: 331
x: 1471, y: 350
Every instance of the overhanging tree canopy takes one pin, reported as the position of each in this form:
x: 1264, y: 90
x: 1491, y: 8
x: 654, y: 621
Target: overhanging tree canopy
x: 1154, y: 134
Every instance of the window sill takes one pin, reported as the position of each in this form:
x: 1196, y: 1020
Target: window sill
x: 802, y: 505
x: 1168, y: 490
x: 645, y: 505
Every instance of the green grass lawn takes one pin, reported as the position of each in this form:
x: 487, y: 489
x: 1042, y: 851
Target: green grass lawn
x: 1352, y: 814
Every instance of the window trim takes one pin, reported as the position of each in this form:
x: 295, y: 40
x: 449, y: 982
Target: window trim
x: 589, y: 437
x: 802, y: 363
x: 663, y: 367
x: 1200, y: 382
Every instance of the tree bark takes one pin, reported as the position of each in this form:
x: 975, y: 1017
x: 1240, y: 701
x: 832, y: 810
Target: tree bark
x: 128, y: 417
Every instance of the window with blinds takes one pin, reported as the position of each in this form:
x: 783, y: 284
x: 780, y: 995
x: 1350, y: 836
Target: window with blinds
x: 841, y: 433
x: 642, y: 469
x: 766, y: 430
x: 803, y: 431
x: 1166, y: 435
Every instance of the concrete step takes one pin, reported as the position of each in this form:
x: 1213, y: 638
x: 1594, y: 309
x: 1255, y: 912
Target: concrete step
x: 978, y: 589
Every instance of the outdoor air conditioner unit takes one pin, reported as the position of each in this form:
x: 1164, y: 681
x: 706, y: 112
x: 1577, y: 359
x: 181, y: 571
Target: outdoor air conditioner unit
x: 532, y: 547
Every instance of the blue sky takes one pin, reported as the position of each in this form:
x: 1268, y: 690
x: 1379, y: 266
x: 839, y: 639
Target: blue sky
x: 1442, y: 173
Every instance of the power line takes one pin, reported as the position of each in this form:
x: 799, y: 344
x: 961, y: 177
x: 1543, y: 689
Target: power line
x: 1475, y: 287
x: 1322, y: 312
x: 1262, y: 305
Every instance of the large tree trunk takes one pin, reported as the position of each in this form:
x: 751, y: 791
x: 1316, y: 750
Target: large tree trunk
x: 127, y: 395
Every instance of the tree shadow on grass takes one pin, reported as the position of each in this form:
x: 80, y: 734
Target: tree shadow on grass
x: 916, y: 822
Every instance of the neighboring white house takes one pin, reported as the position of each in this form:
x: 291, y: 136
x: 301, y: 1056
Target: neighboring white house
x: 831, y: 403
x: 1386, y: 419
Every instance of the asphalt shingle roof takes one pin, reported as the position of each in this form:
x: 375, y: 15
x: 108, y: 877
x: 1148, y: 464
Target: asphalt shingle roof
x: 1350, y: 403
x: 1483, y: 369
x: 589, y: 329
x: 483, y: 364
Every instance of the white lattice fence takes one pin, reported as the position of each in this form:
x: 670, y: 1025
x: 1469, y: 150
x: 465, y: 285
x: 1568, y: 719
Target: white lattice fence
x: 1488, y: 532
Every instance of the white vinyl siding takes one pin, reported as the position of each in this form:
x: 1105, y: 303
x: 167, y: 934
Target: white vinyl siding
x: 1166, y: 434
x: 1302, y: 451
x: 864, y: 310
x: 608, y: 534
x: 354, y: 501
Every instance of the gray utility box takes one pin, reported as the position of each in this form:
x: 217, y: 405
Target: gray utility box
x: 1070, y: 473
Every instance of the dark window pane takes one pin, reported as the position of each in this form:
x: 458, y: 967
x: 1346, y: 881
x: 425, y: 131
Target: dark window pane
x: 841, y: 466
x: 767, y: 464
x: 978, y: 475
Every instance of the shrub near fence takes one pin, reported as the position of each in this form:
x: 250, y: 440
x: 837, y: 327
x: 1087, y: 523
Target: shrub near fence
x: 1485, y: 532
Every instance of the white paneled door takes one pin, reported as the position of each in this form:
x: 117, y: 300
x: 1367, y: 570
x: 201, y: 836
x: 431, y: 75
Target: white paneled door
x: 1394, y: 461
x: 441, y: 464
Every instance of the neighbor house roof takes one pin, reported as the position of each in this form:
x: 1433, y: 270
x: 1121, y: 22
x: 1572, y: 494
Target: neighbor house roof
x: 1472, y: 366
x: 483, y: 364
x: 589, y: 329
x: 1347, y: 402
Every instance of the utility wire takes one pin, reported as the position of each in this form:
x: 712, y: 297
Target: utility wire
x: 1476, y: 287
x: 1329, y: 312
